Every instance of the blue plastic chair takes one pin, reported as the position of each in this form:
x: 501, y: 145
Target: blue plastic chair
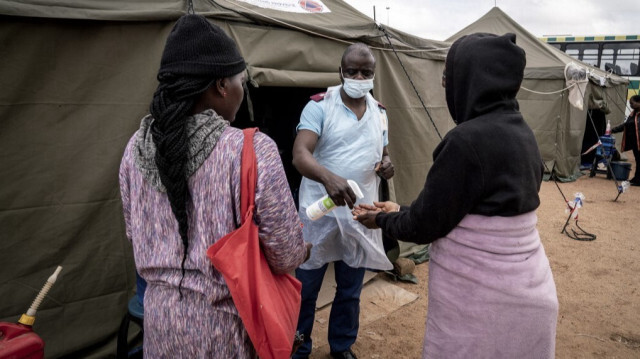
x: 604, y: 154
x: 135, y: 313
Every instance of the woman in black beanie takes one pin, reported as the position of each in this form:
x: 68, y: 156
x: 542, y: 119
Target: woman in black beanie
x: 180, y: 187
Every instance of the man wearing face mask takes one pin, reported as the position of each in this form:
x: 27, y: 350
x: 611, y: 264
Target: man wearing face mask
x: 342, y: 136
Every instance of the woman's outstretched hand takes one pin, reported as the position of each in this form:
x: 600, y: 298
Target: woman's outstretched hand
x: 366, y: 218
x: 387, y: 206
x: 366, y: 213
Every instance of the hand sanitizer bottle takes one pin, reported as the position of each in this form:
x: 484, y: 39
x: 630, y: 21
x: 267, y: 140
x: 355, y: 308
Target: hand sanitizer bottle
x: 325, y: 205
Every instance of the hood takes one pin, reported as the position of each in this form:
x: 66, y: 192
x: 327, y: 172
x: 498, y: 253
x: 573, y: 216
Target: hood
x: 483, y: 75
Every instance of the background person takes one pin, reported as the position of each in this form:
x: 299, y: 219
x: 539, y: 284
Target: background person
x: 631, y: 136
x: 180, y: 186
x: 342, y: 135
x: 491, y: 290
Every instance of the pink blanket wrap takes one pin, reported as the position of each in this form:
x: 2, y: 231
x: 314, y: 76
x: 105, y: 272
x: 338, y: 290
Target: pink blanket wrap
x: 491, y: 291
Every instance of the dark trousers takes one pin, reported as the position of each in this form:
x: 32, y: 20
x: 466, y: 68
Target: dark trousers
x: 636, y: 154
x: 345, y: 310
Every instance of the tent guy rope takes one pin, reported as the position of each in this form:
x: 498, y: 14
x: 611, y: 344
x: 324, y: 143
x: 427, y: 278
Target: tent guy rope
x: 384, y: 31
x: 548, y: 93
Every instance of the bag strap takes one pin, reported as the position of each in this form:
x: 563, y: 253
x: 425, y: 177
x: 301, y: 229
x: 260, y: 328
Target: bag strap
x: 248, y: 173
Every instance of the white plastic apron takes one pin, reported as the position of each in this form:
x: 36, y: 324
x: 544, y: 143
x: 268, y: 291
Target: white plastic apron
x: 350, y: 149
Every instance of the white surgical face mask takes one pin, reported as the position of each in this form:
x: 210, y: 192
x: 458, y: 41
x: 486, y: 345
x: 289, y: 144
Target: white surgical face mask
x: 357, y: 88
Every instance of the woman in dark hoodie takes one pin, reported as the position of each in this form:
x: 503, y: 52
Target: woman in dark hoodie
x: 491, y: 290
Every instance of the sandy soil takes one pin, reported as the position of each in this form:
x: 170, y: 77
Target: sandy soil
x: 597, y: 281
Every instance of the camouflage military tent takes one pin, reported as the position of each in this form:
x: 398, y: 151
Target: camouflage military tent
x: 76, y: 78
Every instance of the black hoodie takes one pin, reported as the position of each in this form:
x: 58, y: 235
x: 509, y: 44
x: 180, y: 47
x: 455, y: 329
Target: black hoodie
x: 489, y: 164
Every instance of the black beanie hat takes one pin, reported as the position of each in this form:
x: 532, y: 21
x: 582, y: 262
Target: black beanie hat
x: 196, y: 47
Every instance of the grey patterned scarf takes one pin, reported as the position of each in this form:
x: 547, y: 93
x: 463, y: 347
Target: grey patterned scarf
x: 204, y: 131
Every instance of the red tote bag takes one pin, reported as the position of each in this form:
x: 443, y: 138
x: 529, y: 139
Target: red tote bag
x: 268, y: 303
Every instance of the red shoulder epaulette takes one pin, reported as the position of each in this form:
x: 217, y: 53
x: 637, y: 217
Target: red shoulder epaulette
x: 318, y: 97
x: 381, y: 105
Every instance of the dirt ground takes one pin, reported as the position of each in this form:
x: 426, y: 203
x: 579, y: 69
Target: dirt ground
x: 597, y: 281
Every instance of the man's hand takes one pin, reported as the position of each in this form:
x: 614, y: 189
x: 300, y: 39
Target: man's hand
x: 339, y: 190
x: 308, y: 246
x: 385, y: 168
x: 337, y: 187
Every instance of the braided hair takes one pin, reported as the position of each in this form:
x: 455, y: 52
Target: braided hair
x: 170, y: 108
x: 196, y: 55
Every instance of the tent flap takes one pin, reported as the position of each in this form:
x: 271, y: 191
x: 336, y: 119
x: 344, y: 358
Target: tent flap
x: 285, y: 78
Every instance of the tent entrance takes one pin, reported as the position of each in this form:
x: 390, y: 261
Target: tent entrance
x: 592, y: 135
x: 276, y: 112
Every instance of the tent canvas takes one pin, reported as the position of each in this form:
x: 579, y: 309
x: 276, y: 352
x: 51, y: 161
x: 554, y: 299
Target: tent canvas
x: 76, y: 79
x: 559, y: 127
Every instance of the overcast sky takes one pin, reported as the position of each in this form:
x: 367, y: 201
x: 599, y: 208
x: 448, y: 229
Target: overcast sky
x: 439, y: 19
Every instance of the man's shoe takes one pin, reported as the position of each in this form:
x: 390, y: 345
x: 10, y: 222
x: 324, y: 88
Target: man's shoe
x: 347, y: 354
x: 635, y: 183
